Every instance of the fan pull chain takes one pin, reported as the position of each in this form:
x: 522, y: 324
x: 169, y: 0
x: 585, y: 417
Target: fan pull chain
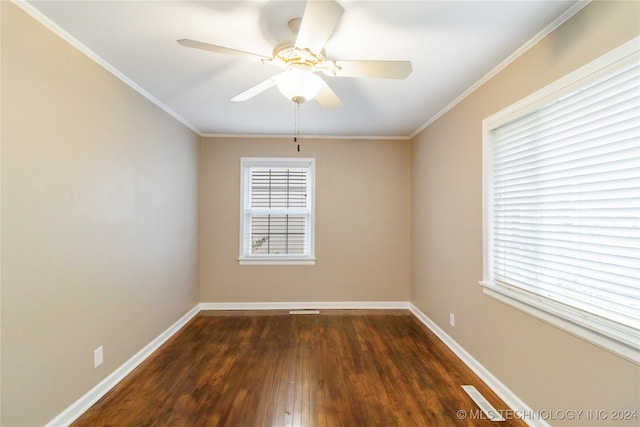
x: 297, y: 125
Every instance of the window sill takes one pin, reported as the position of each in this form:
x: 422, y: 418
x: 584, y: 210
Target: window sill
x: 620, y: 340
x: 276, y: 261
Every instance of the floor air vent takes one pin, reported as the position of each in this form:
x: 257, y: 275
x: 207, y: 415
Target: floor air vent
x: 491, y: 412
x: 304, y: 312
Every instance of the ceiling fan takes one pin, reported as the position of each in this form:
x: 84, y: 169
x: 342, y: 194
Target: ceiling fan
x: 302, y: 57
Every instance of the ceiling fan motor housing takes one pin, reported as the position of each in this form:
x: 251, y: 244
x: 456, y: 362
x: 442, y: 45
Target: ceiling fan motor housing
x: 303, y: 57
x: 288, y: 54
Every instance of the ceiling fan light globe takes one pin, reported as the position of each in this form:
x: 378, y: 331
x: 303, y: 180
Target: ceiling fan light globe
x: 299, y: 85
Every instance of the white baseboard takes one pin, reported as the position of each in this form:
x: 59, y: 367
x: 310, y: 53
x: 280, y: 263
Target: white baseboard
x: 341, y: 305
x: 81, y: 405
x: 509, y: 397
x: 92, y: 396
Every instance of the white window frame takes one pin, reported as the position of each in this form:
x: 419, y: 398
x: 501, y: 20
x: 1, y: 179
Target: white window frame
x: 246, y: 257
x: 624, y: 342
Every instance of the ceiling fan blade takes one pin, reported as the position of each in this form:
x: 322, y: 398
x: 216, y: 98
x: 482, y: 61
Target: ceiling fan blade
x: 374, y: 69
x: 220, y: 49
x: 319, y: 20
x: 327, y: 98
x: 255, y: 90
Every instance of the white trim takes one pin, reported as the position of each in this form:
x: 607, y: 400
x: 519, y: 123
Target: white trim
x: 504, y: 64
x: 503, y: 392
x: 81, y: 405
x: 618, y: 339
x: 336, y: 305
x: 301, y: 138
x: 36, y: 14
x: 561, y: 318
x: 56, y: 29
x: 246, y: 163
x: 279, y: 261
x: 627, y: 52
x: 75, y: 410
x: 52, y: 26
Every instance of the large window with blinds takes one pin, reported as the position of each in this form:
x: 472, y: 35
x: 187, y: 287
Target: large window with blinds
x: 277, y: 211
x: 562, y: 203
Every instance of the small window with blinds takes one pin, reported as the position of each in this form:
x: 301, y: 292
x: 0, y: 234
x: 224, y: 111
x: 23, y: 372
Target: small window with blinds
x: 562, y: 203
x: 277, y: 211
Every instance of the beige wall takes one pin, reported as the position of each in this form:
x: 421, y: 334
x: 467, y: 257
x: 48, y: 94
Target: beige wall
x: 362, y: 223
x: 99, y: 241
x: 99, y: 221
x: 547, y: 368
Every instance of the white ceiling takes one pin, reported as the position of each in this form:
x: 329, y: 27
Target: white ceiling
x: 451, y: 45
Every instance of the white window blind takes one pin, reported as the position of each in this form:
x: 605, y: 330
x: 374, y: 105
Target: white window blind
x: 564, y: 205
x: 277, y: 209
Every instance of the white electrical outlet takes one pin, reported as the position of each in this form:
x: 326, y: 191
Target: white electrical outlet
x: 98, y: 357
x: 452, y: 319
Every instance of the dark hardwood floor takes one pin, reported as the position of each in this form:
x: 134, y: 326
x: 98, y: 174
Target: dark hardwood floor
x: 339, y: 368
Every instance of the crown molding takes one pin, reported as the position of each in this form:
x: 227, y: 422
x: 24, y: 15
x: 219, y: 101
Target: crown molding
x: 56, y: 29
x: 504, y: 64
x: 301, y: 138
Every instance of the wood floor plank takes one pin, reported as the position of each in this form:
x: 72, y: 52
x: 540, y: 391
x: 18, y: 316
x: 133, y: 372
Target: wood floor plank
x: 256, y: 369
